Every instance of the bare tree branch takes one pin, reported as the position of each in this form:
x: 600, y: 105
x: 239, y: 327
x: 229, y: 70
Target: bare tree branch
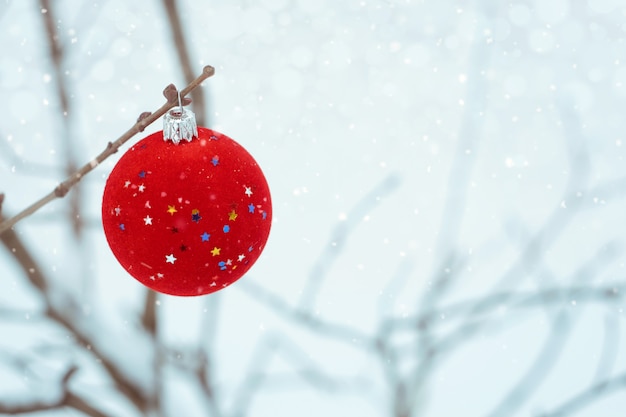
x: 539, y: 369
x: 339, y: 236
x: 62, y: 189
x: 303, y: 368
x: 340, y: 332
x: 593, y: 393
x: 35, y: 275
x: 610, y: 347
x: 66, y: 399
x: 149, y: 317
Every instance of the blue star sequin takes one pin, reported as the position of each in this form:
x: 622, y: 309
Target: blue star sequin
x: 226, y: 228
x: 215, y: 160
x: 196, y: 217
x: 142, y: 174
x: 251, y: 208
x: 205, y: 237
x: 122, y: 227
x: 264, y: 215
x: 222, y: 265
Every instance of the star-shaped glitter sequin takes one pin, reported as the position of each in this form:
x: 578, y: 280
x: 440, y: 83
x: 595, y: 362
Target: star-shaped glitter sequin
x: 195, y: 215
x: 232, y: 215
x: 127, y: 184
x: 250, y: 208
x: 248, y: 191
x: 147, y: 220
x: 142, y: 174
x: 141, y: 188
x: 241, y: 257
x: 171, y: 210
x: 170, y: 258
x: 205, y: 237
x: 117, y: 210
x: 215, y: 160
x: 216, y: 251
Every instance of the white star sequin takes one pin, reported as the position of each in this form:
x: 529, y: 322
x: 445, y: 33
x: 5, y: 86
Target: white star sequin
x: 241, y: 257
x: 170, y: 258
x: 147, y: 220
x: 248, y: 191
x: 141, y: 188
x: 127, y: 184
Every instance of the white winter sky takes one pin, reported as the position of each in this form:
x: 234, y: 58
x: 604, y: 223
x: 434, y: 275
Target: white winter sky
x: 332, y: 98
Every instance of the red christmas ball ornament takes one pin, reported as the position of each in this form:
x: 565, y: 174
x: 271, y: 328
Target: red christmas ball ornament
x: 188, y: 215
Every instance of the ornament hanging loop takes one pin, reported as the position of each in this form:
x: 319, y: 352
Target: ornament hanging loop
x: 179, y: 124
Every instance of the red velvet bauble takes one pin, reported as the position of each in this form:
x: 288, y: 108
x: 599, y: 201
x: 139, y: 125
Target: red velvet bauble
x: 188, y: 218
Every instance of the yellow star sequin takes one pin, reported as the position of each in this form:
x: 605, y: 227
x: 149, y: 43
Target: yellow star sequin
x: 216, y: 251
x: 171, y: 210
x: 232, y: 215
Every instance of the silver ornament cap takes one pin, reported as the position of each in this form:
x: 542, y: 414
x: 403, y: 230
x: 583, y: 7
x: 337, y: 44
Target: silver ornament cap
x: 179, y: 124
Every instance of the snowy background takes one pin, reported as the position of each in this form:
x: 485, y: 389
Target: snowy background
x: 448, y: 182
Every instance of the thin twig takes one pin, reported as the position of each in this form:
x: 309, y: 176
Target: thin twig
x: 344, y: 333
x: 62, y: 189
